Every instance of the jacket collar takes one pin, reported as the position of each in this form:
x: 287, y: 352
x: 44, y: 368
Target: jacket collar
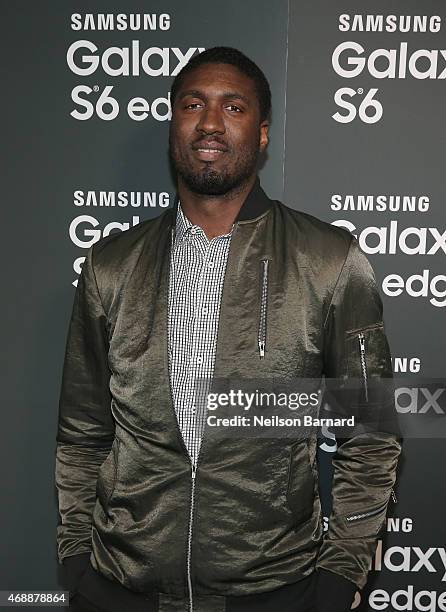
x: 255, y: 204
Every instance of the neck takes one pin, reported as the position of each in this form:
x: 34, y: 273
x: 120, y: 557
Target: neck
x: 214, y: 214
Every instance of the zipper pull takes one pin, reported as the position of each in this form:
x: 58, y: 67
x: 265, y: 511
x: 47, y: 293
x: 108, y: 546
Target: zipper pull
x: 394, y: 496
x: 263, y: 306
x: 193, y: 471
x: 361, y: 339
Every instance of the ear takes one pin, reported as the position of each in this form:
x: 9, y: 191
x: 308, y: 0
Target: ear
x: 263, y: 140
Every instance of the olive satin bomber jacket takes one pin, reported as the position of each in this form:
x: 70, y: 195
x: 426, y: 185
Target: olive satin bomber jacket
x: 248, y: 520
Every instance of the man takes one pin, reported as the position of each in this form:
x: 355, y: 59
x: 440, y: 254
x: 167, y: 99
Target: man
x: 155, y: 517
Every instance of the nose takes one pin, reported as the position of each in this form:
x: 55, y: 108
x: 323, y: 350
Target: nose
x: 211, y: 121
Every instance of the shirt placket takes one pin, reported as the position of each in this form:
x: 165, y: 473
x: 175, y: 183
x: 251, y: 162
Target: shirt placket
x: 200, y: 361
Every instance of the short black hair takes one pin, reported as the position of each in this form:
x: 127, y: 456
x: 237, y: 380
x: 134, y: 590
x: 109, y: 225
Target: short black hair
x: 234, y: 57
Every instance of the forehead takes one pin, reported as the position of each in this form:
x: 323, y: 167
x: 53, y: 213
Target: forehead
x: 216, y: 79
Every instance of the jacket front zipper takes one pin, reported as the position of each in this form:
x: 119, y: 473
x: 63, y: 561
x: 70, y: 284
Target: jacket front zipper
x: 263, y: 307
x: 361, y: 339
x: 189, y: 539
x: 180, y: 435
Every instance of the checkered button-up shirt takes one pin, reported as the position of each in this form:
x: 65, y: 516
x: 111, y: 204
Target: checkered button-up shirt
x: 197, y: 269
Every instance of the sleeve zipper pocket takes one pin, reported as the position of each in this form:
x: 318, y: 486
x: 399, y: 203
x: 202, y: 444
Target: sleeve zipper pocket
x: 361, y: 339
x: 363, y: 515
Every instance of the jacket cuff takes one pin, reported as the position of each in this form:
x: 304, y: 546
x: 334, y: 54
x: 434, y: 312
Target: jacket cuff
x: 334, y: 593
x: 74, y: 567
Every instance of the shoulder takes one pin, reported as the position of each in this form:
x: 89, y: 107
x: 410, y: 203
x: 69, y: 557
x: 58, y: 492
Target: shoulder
x: 314, y: 239
x: 121, y: 247
x: 112, y: 260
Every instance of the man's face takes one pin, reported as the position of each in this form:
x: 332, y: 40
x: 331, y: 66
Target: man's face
x: 215, y: 133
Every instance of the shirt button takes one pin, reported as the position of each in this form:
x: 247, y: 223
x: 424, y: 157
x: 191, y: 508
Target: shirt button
x: 204, y: 311
x: 199, y: 360
x: 210, y: 264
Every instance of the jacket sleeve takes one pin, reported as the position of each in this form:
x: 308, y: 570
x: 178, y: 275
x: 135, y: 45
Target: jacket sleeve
x: 85, y: 425
x: 356, y: 351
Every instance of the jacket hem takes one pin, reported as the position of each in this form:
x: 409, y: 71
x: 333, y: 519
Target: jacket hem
x: 110, y: 596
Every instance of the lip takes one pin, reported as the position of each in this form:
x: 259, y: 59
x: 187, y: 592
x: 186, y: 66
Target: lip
x: 209, y: 150
x: 208, y: 154
x: 209, y: 144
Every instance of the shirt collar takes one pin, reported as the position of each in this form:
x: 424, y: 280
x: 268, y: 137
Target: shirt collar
x: 184, y: 225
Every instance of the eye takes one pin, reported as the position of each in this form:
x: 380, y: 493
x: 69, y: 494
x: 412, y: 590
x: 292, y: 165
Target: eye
x: 192, y: 104
x: 233, y: 106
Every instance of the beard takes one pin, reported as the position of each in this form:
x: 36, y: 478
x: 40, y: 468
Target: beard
x: 208, y: 180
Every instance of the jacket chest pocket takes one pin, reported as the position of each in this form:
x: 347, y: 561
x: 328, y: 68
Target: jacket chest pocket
x: 261, y: 331
x: 301, y: 482
x: 284, y: 328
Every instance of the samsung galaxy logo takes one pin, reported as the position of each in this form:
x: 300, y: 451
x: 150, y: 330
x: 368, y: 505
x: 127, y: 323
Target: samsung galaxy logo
x: 121, y: 21
x: 350, y: 59
x: 391, y: 238
x: 85, y: 230
x: 389, y: 23
x: 406, y: 364
x: 380, y: 203
x: 122, y: 199
x: 419, y: 400
x: 84, y: 58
